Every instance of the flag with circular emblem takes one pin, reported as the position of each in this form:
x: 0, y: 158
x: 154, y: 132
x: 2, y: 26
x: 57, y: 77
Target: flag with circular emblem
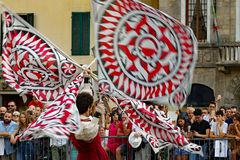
x: 143, y: 53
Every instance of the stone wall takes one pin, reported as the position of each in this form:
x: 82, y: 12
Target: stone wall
x: 226, y: 18
x: 171, y: 7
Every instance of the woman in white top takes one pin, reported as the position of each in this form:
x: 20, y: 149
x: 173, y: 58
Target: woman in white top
x: 219, y: 130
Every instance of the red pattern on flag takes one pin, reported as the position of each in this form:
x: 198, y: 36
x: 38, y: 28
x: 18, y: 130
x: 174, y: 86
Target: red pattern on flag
x: 60, y: 117
x: 155, y: 127
x: 33, y: 65
x: 143, y: 53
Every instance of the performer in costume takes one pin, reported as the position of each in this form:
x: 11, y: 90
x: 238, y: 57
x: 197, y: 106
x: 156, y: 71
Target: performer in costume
x: 88, y: 142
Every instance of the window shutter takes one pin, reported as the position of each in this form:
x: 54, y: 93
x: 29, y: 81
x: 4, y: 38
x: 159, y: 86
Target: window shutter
x: 29, y: 17
x: 80, y: 33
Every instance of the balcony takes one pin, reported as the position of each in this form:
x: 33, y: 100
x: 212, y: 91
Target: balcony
x: 229, y: 55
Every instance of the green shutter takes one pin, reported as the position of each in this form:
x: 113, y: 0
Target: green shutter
x: 29, y: 17
x: 80, y: 33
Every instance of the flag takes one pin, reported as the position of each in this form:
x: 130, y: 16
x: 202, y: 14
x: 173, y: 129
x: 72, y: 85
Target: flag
x: 155, y: 127
x: 60, y: 118
x: 143, y: 53
x: 33, y: 65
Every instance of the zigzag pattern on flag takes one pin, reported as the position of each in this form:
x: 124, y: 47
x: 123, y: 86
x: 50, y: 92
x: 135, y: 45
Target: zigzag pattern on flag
x: 157, y: 129
x: 143, y: 53
x: 31, y: 64
x: 60, y: 117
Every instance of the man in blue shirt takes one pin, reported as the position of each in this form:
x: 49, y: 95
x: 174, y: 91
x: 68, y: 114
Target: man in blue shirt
x: 7, y: 127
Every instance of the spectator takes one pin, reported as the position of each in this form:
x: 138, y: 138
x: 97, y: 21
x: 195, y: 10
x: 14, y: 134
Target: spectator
x: 179, y: 153
x: 210, y: 117
x: 107, y: 120
x: 16, y: 116
x: 30, y: 113
x: 219, y: 130
x: 163, y: 109
x: 124, y: 129
x: 204, y: 112
x: 190, y: 115
x: 36, y: 103
x: 7, y: 128
x: 223, y: 109
x: 234, y: 132
x: 11, y: 106
x: 113, y: 143
x: 3, y: 110
x: 228, y: 116
x: 58, y: 148
x: 25, y: 149
x: 143, y: 150
x: 102, y: 135
x: 38, y: 111
x: 199, y: 129
x: 234, y: 110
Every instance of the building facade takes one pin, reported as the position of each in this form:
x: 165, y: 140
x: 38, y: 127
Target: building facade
x: 216, y: 26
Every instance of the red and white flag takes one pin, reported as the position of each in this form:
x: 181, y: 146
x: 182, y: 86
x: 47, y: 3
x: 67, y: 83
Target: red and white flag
x: 145, y: 55
x: 33, y: 65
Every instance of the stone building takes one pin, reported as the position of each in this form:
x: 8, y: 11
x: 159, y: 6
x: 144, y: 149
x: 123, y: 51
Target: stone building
x: 216, y: 24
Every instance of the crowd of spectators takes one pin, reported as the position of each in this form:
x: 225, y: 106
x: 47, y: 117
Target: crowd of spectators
x: 13, y: 121
x: 216, y: 129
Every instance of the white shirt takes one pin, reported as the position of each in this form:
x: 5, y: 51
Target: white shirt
x: 221, y: 146
x: 89, y: 128
x: 57, y: 142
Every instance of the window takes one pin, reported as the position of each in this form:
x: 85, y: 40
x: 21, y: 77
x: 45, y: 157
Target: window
x: 28, y: 17
x: 197, y: 18
x: 80, y: 33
